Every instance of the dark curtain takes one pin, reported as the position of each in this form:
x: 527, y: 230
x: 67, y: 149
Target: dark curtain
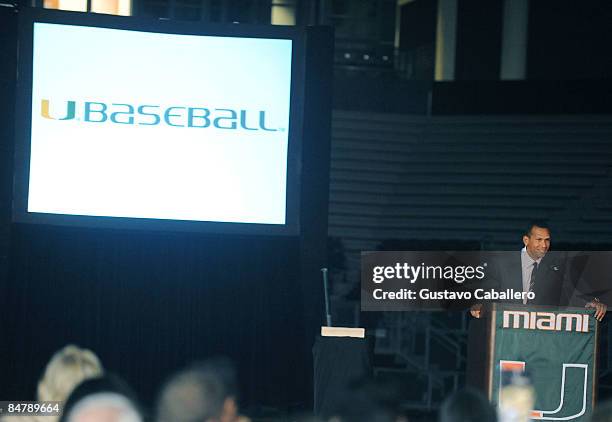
x: 149, y: 303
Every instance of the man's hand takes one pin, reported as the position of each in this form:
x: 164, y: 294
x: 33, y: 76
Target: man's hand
x: 476, y: 310
x: 600, y: 308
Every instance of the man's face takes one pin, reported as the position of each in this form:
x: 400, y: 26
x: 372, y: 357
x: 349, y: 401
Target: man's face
x: 537, y: 243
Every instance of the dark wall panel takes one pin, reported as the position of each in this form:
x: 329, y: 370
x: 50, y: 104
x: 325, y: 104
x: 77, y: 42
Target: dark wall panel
x: 417, y: 40
x: 569, y: 40
x: 315, y: 194
x: 479, y: 26
x: 522, y: 97
x: 8, y: 54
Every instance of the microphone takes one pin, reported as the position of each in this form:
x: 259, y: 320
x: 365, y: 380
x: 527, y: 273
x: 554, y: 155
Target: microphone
x: 325, y: 290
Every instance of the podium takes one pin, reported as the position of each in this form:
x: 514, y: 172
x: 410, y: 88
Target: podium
x: 556, y: 347
x: 340, y: 356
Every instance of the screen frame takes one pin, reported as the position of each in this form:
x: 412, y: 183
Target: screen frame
x: 23, y: 120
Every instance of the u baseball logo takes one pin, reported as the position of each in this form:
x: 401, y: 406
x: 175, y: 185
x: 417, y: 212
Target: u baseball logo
x: 153, y: 115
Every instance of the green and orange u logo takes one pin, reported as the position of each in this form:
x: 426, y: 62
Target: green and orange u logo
x: 70, y: 110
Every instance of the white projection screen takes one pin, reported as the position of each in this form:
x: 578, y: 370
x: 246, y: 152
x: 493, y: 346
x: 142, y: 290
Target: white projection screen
x: 130, y: 125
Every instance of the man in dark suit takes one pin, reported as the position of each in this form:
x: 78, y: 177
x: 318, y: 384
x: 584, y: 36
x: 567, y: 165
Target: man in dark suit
x: 542, y: 277
x: 537, y: 273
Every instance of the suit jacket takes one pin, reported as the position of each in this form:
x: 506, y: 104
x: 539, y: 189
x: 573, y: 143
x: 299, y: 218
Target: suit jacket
x: 550, y: 283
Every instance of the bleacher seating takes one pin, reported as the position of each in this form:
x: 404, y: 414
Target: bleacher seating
x: 475, y: 178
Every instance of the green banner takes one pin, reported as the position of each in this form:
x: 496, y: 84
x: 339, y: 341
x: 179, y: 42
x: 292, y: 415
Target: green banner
x: 556, y: 349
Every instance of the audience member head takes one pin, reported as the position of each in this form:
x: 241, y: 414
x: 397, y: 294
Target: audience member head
x: 388, y: 394
x: 102, y: 399
x: 66, y: 369
x: 467, y: 406
x: 366, y: 401
x: 104, y: 407
x: 205, y: 392
x: 603, y: 412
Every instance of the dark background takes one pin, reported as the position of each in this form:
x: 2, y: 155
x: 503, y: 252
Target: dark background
x: 150, y: 302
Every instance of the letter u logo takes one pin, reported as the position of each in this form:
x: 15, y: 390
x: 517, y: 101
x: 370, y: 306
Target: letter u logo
x: 573, y: 384
x: 70, y: 110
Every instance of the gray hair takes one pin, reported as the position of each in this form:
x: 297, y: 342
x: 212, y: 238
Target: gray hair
x: 120, y: 408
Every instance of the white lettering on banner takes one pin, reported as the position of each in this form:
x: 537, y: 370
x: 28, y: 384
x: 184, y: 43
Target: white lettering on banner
x: 547, y: 321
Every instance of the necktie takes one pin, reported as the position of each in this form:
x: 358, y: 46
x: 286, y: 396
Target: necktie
x: 532, y: 279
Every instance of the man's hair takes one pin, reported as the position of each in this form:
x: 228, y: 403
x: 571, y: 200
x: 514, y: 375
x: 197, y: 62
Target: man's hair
x: 67, y: 368
x: 198, y: 393
x: 536, y: 223
x: 467, y: 406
